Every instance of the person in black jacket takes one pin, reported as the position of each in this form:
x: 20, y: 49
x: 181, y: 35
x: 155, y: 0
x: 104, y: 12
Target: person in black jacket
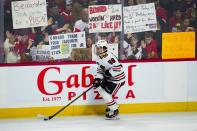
x: 57, y: 19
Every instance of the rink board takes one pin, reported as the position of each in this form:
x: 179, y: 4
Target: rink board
x: 98, y: 109
x: 150, y: 87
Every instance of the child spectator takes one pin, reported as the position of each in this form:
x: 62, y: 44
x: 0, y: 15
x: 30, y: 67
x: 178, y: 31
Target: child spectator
x: 150, y: 45
x: 89, y: 41
x: 176, y: 19
x: 186, y: 25
x: 134, y: 50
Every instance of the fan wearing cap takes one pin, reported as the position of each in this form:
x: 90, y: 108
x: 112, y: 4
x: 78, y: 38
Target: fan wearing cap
x: 110, y: 77
x: 67, y: 12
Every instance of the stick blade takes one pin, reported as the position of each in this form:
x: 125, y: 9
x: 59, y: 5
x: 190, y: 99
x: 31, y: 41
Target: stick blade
x: 43, y: 117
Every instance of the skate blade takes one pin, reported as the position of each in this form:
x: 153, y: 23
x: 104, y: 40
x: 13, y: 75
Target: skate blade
x: 114, y: 118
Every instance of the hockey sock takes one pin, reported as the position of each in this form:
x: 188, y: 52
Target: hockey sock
x: 108, y: 99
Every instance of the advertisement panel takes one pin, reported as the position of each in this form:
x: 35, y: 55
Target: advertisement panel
x: 55, y: 85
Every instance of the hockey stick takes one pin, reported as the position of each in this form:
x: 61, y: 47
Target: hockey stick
x: 50, y: 117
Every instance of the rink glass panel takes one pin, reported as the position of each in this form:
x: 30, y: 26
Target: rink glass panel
x: 32, y: 45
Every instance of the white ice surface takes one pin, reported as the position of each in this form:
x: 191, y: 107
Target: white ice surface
x: 186, y: 121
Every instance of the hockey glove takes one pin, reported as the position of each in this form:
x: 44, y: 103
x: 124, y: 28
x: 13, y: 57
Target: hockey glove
x: 96, y: 82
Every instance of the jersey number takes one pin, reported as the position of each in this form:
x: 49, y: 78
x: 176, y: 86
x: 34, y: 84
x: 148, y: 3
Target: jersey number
x: 111, y: 61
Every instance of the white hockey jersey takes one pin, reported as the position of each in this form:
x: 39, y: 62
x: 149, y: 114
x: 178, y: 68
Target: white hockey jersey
x: 109, y: 67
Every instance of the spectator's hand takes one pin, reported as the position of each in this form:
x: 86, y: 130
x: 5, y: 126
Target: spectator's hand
x: 189, y: 29
x: 65, y: 27
x: 129, y: 35
x: 30, y: 43
x: 143, y: 44
x: 46, y: 37
x: 50, y: 21
x: 133, y: 48
x: 154, y: 31
x: 33, y: 31
x: 99, y: 37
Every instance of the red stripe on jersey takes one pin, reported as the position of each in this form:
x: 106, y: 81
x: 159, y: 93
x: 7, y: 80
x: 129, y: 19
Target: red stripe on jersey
x: 119, y: 77
x: 119, y: 68
x: 110, y: 102
x: 116, y: 89
x: 116, y: 67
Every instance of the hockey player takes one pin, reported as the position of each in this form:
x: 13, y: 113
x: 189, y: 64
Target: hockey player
x: 110, y: 77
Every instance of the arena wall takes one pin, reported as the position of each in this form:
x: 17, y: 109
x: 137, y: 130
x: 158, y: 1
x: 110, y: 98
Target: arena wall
x: 26, y: 91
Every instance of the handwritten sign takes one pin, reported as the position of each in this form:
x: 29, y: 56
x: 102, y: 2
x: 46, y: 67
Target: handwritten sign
x: 27, y: 14
x: 105, y: 18
x: 178, y: 45
x: 62, y: 44
x: 43, y: 53
x: 111, y: 48
x: 140, y: 18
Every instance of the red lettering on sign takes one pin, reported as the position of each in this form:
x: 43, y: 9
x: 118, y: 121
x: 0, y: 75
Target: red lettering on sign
x: 71, y: 95
x: 40, y: 81
x: 84, y: 76
x: 76, y: 80
x: 84, y: 96
x: 97, y: 9
x: 97, y: 97
x: 130, y: 82
x: 130, y: 94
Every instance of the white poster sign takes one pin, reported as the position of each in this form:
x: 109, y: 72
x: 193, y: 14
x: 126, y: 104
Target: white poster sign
x: 105, y: 18
x: 43, y: 53
x: 111, y: 48
x: 62, y: 44
x: 30, y: 13
x: 140, y: 18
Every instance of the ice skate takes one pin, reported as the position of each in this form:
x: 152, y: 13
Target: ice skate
x: 112, y: 115
x: 107, y: 110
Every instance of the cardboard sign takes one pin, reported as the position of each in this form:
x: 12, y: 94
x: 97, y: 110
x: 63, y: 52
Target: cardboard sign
x: 111, y: 48
x: 27, y: 14
x: 140, y: 18
x: 62, y: 44
x: 178, y: 45
x: 81, y: 54
x: 105, y: 18
x: 43, y: 53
